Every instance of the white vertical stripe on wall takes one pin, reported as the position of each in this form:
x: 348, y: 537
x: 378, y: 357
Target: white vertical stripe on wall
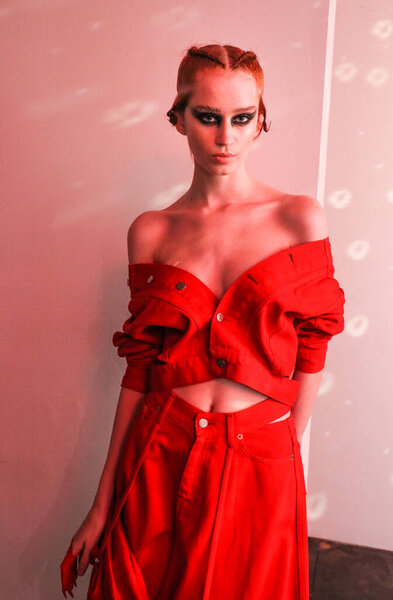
x: 305, y: 446
x: 327, y: 89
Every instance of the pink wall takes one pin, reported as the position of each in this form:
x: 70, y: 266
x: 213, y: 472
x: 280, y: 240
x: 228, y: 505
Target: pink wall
x: 86, y: 146
x: 350, y: 483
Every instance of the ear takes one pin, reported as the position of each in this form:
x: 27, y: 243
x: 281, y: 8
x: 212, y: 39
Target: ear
x: 180, y: 126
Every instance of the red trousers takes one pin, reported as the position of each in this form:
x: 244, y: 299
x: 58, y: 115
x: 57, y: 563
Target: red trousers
x: 207, y: 506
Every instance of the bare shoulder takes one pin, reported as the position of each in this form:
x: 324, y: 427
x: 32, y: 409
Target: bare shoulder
x: 306, y: 217
x: 144, y: 234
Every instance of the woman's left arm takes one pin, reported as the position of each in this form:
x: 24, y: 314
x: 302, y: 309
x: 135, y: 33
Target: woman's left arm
x: 308, y: 390
x: 310, y: 216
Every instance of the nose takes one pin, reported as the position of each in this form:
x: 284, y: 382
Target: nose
x: 224, y: 135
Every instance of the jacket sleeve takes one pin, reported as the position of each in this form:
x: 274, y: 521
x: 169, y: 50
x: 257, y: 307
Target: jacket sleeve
x: 320, y: 318
x: 140, y: 342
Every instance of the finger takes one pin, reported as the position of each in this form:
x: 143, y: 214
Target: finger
x: 84, y: 560
x: 68, y: 572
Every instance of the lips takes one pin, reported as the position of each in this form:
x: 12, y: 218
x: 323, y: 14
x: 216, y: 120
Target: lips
x: 223, y: 158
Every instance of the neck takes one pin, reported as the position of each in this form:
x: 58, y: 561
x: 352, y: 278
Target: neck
x: 213, y: 192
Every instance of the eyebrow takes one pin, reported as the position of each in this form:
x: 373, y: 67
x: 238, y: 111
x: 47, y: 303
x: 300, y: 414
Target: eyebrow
x: 216, y: 110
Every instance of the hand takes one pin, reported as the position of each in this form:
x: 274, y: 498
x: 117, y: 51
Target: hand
x: 81, y: 546
x: 87, y: 537
x: 68, y: 571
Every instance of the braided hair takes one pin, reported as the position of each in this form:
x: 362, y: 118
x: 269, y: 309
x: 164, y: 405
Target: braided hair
x: 227, y: 57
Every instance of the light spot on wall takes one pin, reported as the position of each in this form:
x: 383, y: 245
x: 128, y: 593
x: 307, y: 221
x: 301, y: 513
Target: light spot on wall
x: 166, y: 197
x: 51, y: 106
x: 72, y: 215
x: 96, y: 25
x: 382, y: 29
x: 357, y: 326
x: 316, y: 506
x: 346, y: 71
x: 340, y: 198
x: 389, y: 195
x: 378, y: 76
x: 358, y: 249
x: 327, y: 382
x: 129, y: 114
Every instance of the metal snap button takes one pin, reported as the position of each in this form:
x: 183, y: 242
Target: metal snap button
x: 150, y: 279
x: 96, y: 561
x: 221, y: 362
x: 181, y: 285
x: 220, y: 317
x: 203, y: 422
x: 239, y: 436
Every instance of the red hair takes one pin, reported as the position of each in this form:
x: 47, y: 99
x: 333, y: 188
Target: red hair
x: 229, y: 58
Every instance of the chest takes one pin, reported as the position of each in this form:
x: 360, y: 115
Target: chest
x: 219, y: 250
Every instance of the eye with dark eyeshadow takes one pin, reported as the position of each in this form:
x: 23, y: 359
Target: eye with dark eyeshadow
x: 248, y: 118
x: 202, y: 116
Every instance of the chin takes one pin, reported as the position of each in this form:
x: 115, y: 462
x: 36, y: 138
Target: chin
x: 212, y: 167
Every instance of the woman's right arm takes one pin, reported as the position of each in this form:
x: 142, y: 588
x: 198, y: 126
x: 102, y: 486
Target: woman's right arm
x: 91, y: 529
x: 143, y: 236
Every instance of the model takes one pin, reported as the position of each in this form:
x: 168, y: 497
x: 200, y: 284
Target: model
x: 233, y: 301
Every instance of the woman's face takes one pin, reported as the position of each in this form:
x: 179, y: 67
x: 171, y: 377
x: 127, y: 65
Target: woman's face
x: 221, y: 117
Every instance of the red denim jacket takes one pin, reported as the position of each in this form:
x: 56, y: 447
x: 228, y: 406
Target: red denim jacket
x: 277, y: 316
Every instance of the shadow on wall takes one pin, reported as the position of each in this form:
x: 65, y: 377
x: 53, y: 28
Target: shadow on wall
x: 39, y: 567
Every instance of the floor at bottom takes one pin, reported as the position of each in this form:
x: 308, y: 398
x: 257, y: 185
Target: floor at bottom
x: 348, y: 572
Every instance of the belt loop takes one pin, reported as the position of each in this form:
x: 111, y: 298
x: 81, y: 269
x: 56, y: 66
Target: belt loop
x: 230, y: 432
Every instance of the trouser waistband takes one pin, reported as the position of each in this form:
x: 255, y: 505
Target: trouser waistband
x: 193, y: 420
